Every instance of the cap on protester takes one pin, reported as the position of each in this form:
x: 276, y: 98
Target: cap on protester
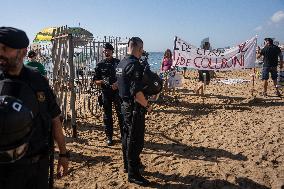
x: 13, y: 37
x: 108, y: 46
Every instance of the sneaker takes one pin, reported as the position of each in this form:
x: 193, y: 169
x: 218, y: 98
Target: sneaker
x: 140, y: 166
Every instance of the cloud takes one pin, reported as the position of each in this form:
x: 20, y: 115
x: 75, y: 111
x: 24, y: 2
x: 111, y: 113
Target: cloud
x: 277, y: 17
x: 258, y: 28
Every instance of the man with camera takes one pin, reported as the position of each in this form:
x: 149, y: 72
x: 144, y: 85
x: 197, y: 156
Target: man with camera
x: 134, y: 106
x: 29, y: 119
x: 106, y: 78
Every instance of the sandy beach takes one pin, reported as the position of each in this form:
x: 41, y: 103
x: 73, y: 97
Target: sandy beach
x: 224, y: 140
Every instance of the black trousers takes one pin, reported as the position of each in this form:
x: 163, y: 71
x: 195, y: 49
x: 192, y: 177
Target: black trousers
x: 133, y: 136
x: 108, y: 99
x: 25, y: 175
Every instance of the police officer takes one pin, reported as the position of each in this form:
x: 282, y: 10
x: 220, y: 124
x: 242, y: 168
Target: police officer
x: 134, y: 106
x: 30, y: 170
x: 106, y: 78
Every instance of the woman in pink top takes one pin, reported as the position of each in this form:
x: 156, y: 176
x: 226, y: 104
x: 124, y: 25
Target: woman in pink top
x: 167, y: 61
x: 166, y: 67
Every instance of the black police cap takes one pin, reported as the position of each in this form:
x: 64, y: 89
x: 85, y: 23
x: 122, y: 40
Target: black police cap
x: 13, y: 37
x: 108, y: 46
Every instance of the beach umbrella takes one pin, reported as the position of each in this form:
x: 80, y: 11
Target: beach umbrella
x: 44, y: 35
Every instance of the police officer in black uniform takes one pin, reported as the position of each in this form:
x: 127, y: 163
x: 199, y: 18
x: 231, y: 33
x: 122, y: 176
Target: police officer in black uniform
x: 28, y: 166
x: 106, y: 78
x: 134, y: 106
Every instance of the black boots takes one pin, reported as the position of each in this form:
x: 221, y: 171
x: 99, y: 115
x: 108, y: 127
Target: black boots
x: 138, y: 179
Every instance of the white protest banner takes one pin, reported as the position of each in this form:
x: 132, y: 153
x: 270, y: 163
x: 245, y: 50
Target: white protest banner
x: 236, y: 58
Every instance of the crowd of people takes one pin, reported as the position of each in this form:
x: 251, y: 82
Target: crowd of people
x: 26, y: 144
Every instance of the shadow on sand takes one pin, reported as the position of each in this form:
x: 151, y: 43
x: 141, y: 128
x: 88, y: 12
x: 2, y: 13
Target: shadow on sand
x: 197, y: 182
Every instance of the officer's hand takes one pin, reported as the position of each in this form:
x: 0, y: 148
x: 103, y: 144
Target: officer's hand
x: 114, y: 86
x: 62, y: 167
x: 149, y: 109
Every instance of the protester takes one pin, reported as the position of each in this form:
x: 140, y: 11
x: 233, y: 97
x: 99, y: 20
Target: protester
x: 270, y: 55
x: 28, y: 91
x: 166, y: 67
x: 203, y: 75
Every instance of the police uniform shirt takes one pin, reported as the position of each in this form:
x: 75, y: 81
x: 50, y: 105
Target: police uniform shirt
x: 130, y: 74
x: 105, y: 70
x: 42, y: 90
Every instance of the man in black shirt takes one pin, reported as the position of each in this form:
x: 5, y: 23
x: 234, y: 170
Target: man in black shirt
x: 270, y: 55
x: 30, y: 171
x: 129, y: 76
x: 106, y: 78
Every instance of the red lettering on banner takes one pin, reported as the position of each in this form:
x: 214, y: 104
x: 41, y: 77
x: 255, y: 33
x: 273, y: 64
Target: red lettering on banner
x: 208, y: 62
x: 195, y: 62
x: 216, y: 66
x: 224, y: 63
x: 235, y: 60
x: 240, y: 62
x: 242, y: 48
x: 177, y: 61
x: 216, y: 61
x: 182, y: 61
x: 188, y: 62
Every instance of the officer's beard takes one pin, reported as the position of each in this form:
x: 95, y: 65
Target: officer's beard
x: 108, y: 56
x: 9, y: 64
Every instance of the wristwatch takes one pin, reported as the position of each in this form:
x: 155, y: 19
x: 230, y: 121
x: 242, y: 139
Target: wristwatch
x: 66, y: 155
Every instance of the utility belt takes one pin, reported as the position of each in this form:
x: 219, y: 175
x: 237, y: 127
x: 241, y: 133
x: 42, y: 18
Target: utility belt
x: 135, y: 106
x: 13, y: 155
x: 19, y: 156
x: 31, y: 160
x: 128, y: 101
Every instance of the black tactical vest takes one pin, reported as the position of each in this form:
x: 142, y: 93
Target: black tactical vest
x: 37, y: 102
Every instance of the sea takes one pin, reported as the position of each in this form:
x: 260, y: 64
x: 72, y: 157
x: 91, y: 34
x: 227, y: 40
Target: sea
x: 155, y: 60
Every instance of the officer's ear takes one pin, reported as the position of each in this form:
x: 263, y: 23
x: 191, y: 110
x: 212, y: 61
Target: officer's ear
x: 23, y: 52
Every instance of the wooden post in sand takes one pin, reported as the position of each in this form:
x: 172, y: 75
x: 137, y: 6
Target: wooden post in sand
x: 253, y: 78
x: 71, y: 85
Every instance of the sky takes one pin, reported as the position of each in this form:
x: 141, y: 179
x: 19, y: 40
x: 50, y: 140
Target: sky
x: 156, y: 22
